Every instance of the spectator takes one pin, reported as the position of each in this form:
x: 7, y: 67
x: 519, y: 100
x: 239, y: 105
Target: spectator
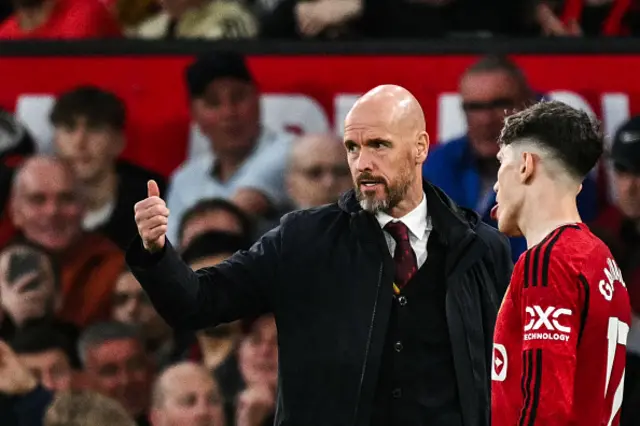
x: 466, y: 167
x: 216, y: 344
x: 258, y: 362
x: 90, y: 133
x: 116, y: 365
x: 17, y: 144
x: 318, y: 171
x: 46, y: 352
x: 199, y: 19
x: 132, y: 306
x: 393, y: 18
x: 22, y: 401
x: 582, y: 17
x: 618, y: 224
x: 213, y: 214
x: 29, y: 284
x: 86, y: 409
x: 246, y: 162
x: 47, y: 211
x: 185, y: 394
x: 131, y: 13
x: 59, y: 19
x: 310, y: 19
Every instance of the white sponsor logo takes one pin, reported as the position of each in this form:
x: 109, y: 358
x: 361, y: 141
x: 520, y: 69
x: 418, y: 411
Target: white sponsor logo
x: 546, y: 336
x: 499, y: 363
x: 612, y: 273
x: 544, y: 324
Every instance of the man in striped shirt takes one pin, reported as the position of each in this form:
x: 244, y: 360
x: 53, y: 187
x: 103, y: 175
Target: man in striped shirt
x: 560, y: 336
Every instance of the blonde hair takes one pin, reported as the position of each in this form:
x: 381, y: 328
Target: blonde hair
x: 85, y: 408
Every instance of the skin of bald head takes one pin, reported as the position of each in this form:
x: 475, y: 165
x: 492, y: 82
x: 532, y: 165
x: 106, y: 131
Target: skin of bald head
x: 318, y: 171
x: 46, y: 205
x: 186, y: 393
x: 387, y: 143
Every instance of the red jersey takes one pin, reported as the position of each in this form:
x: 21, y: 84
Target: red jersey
x: 560, y: 337
x: 70, y: 19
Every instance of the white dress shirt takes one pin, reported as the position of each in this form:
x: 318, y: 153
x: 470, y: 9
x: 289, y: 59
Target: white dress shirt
x: 419, y: 225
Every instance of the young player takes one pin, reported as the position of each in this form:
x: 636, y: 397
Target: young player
x: 559, y: 343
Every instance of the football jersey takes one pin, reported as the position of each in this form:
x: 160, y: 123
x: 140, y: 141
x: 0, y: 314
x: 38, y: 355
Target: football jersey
x: 559, y: 343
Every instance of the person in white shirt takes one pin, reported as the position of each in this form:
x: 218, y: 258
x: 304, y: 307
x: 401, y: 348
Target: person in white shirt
x: 246, y: 162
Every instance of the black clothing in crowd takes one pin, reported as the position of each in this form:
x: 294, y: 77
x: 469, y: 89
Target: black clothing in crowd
x: 327, y: 275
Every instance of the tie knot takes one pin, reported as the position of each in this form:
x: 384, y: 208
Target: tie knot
x: 398, y: 230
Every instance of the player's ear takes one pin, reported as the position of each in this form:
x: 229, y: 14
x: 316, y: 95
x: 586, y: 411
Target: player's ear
x: 527, y: 167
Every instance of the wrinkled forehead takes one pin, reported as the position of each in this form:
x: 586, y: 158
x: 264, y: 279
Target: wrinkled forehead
x: 52, y: 180
x: 187, y: 380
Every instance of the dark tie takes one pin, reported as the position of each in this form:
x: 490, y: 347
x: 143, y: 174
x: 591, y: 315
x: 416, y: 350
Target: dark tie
x: 404, y: 256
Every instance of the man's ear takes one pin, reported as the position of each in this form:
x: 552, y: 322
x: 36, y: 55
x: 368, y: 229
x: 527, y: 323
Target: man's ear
x: 423, y: 147
x: 528, y: 166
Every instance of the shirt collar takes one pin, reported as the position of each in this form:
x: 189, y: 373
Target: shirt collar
x: 416, y: 219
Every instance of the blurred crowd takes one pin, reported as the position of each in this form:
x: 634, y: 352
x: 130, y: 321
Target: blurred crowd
x: 79, y: 339
x: 314, y: 19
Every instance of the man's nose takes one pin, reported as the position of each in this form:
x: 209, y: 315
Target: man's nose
x: 79, y: 138
x: 365, y: 161
x: 132, y: 307
x: 50, y: 207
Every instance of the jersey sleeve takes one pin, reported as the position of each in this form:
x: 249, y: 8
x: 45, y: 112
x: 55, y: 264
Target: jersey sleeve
x: 551, y: 304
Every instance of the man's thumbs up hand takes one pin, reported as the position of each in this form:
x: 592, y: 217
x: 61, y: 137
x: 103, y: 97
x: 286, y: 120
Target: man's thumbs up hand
x: 152, y: 217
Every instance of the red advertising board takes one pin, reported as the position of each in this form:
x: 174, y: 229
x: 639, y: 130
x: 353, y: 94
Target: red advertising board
x: 307, y: 93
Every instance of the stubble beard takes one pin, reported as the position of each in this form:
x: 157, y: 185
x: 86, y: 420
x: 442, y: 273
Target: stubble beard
x: 393, y: 195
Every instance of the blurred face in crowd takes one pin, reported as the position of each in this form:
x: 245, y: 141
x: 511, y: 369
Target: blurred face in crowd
x: 258, y: 354
x: 91, y: 151
x: 120, y: 369
x: 228, y: 113
x: 509, y: 191
x: 187, y: 395
x: 385, y: 151
x: 50, y: 367
x: 27, y: 284
x: 132, y: 306
x: 627, y: 186
x: 318, y: 172
x: 487, y: 97
x: 46, y: 205
x: 212, y: 220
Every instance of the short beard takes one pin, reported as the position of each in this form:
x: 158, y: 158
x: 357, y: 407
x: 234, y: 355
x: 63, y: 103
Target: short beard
x: 393, y: 195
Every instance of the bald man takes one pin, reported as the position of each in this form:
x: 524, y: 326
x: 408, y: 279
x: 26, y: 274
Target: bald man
x: 385, y: 301
x: 46, y: 209
x: 186, y: 394
x: 318, y: 171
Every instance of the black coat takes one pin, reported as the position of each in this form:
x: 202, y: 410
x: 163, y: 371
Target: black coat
x: 326, y: 274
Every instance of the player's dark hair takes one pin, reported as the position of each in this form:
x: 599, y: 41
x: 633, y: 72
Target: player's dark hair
x: 100, y: 108
x: 572, y: 136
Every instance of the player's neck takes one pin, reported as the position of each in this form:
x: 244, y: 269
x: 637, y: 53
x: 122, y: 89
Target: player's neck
x: 541, y: 217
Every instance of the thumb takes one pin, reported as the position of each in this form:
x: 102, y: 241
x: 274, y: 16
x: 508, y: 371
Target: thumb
x: 152, y: 189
